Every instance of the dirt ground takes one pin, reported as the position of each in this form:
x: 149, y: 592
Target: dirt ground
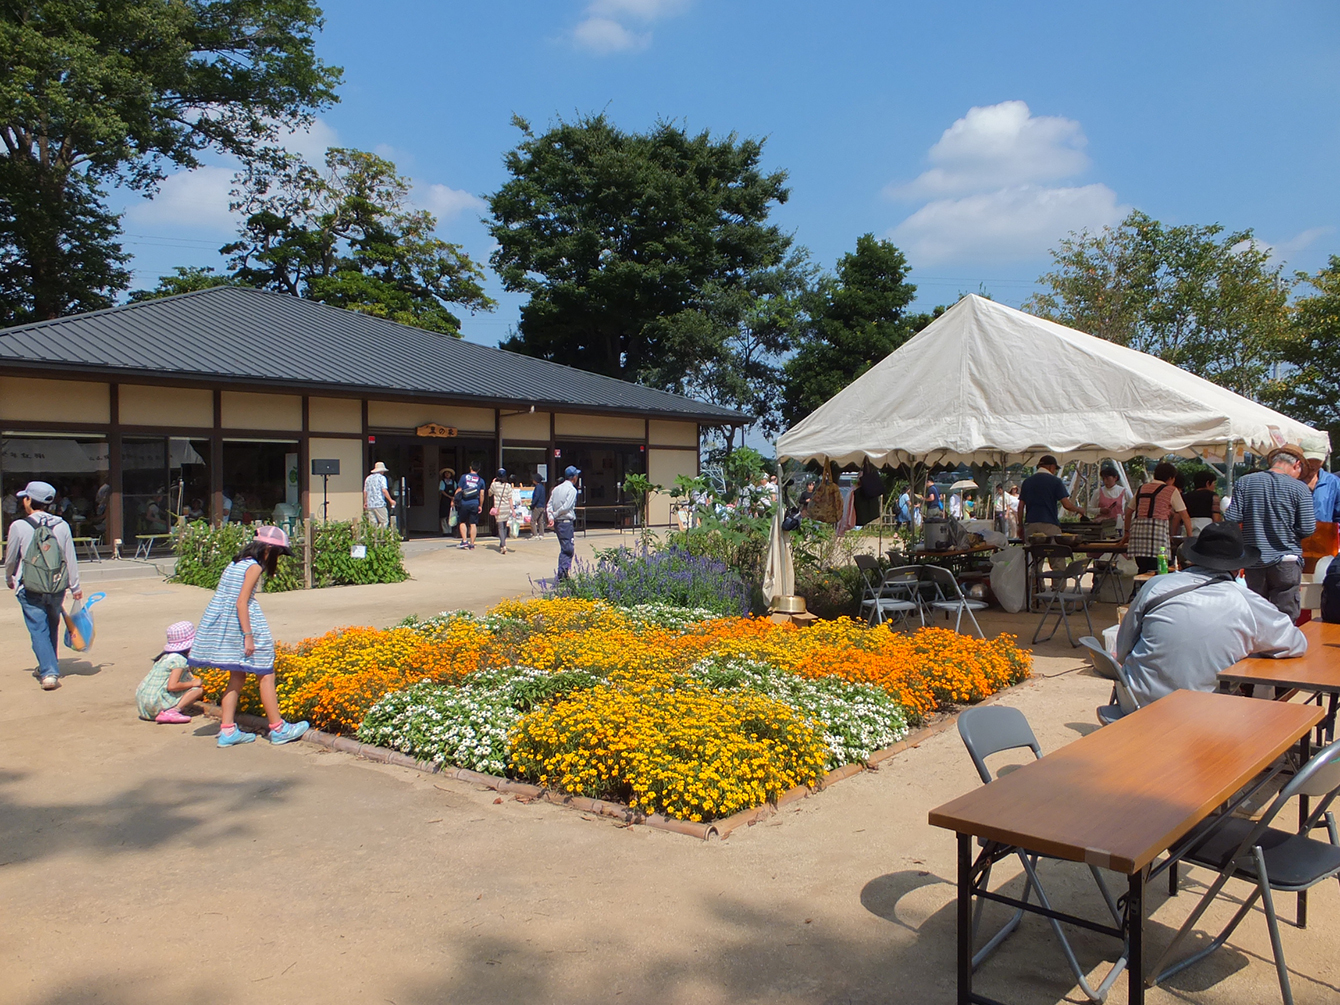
x: 139, y: 863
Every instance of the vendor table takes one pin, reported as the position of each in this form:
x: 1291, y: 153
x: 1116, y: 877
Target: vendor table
x: 1086, y: 803
x: 954, y: 559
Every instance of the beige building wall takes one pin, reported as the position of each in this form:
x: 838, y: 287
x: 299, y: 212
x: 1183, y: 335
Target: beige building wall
x: 663, y: 433
x: 411, y: 415
x: 601, y: 427
x: 526, y: 426
x: 346, y: 488
x: 249, y: 410
x: 335, y: 415
x: 37, y: 398
x: 662, y: 467
x: 141, y: 405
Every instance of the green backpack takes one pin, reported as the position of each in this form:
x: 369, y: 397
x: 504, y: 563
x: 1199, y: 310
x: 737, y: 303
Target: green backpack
x: 44, y: 568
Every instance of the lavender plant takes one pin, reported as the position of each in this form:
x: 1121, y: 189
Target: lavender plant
x: 626, y: 577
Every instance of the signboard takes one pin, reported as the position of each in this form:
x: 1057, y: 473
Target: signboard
x: 433, y: 429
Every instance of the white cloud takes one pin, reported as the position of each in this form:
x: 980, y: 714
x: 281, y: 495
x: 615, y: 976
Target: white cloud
x: 1019, y: 222
x: 1285, y: 251
x: 445, y: 202
x: 647, y: 10
x: 187, y: 199
x: 996, y: 146
x: 603, y: 36
x: 311, y: 142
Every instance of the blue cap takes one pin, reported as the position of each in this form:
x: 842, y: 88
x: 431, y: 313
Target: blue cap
x: 38, y: 492
x: 571, y: 472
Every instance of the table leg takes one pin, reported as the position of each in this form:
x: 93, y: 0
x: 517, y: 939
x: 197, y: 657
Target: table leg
x: 965, y: 919
x: 1135, y: 935
x: 1304, y: 809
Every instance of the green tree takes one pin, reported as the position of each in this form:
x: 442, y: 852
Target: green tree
x: 856, y: 318
x: 1309, y: 387
x: 184, y: 279
x: 639, y: 250
x: 1201, y: 298
x: 349, y: 238
x: 111, y: 91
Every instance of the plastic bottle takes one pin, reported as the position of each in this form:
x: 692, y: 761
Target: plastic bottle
x: 1163, y: 561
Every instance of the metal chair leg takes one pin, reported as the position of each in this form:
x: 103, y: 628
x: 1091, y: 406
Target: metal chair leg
x: 1272, y: 922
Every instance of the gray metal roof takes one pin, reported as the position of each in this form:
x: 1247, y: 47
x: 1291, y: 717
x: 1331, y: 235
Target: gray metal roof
x: 236, y: 334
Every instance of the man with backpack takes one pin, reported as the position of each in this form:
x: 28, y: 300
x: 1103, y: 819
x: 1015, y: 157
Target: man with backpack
x: 40, y: 563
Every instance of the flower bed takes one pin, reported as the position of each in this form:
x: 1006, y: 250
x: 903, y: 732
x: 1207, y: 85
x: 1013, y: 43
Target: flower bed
x: 661, y: 708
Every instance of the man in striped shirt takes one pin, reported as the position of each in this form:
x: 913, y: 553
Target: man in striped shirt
x: 1274, y: 508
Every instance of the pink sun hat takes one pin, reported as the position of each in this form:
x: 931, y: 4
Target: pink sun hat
x: 273, y: 536
x: 179, y: 637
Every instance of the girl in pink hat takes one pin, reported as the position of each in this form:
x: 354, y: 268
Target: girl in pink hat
x: 234, y: 636
x: 169, y: 686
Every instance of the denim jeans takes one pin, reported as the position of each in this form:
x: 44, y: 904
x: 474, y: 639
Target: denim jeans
x: 567, y: 547
x: 41, y: 613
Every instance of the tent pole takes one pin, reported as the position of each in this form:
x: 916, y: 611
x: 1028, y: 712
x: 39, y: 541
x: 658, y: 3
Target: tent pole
x: 1230, y: 459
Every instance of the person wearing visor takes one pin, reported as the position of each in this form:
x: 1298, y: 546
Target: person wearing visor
x: 1185, y: 627
x: 40, y: 565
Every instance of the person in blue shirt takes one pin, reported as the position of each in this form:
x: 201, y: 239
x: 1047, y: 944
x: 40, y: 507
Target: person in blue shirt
x: 1039, y: 495
x: 539, y: 504
x: 934, y: 504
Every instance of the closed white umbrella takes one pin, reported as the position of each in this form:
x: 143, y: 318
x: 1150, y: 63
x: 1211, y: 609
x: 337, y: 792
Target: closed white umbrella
x: 779, y: 576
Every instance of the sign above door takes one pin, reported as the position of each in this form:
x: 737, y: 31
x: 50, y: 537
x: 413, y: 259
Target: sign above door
x: 434, y: 430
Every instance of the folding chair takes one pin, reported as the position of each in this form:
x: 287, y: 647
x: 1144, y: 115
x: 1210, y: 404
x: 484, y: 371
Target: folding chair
x: 990, y: 730
x: 949, y: 597
x: 1041, y: 559
x: 1123, y: 700
x: 1272, y: 860
x: 1067, y: 594
x: 894, y: 592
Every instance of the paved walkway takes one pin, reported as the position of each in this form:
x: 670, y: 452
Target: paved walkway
x: 138, y: 863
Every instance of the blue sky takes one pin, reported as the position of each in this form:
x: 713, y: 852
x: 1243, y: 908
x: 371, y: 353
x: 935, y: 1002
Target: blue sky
x: 972, y: 134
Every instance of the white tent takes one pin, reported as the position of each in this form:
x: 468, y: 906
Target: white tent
x: 988, y: 384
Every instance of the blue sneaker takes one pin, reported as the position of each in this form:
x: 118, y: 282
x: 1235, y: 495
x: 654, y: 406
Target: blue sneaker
x: 288, y: 732
x: 231, y: 738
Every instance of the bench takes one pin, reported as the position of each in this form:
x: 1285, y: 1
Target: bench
x: 144, y: 543
x: 90, y: 547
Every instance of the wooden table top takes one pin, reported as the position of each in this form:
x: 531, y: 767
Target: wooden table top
x: 1125, y: 793
x: 1316, y: 670
x: 952, y: 553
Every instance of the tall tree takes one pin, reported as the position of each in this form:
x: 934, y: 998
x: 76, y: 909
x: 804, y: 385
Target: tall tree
x: 111, y: 91
x: 626, y: 241
x: 1309, y: 387
x: 1199, y: 297
x: 350, y: 238
x: 856, y: 317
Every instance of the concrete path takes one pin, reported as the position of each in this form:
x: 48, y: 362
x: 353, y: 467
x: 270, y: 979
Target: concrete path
x: 139, y: 863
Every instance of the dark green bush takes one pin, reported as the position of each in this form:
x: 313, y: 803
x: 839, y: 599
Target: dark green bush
x: 203, y: 552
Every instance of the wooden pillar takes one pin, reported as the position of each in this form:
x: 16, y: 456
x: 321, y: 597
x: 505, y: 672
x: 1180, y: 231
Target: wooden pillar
x: 216, y: 463
x: 305, y: 463
x: 115, y: 523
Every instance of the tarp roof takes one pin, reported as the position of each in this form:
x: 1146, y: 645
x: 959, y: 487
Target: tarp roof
x: 263, y: 340
x: 988, y: 384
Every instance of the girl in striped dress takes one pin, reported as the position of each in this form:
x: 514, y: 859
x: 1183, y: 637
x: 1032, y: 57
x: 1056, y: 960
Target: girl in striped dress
x: 233, y: 636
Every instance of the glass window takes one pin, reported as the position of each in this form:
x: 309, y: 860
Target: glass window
x: 162, y: 477
x: 76, y: 465
x: 260, y: 482
x: 523, y: 462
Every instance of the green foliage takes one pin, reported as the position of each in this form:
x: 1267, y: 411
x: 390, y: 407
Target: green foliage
x: 203, y: 552
x: 637, y: 487
x: 856, y: 318
x: 184, y: 279
x: 644, y: 254
x: 830, y: 593
x: 112, y: 92
x: 1200, y: 298
x: 1310, y: 391
x: 350, y: 238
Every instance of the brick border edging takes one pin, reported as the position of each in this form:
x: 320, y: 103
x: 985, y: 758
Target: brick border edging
x: 720, y: 829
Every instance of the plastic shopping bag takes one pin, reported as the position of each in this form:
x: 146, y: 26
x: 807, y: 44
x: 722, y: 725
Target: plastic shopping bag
x: 1008, y: 580
x: 79, y: 625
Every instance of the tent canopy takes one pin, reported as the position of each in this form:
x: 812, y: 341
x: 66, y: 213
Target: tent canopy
x: 988, y: 384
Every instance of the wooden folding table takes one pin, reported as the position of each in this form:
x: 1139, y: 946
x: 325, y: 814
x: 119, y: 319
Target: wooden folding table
x: 1117, y: 799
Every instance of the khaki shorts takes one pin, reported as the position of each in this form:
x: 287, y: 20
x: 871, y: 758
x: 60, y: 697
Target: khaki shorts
x: 380, y: 516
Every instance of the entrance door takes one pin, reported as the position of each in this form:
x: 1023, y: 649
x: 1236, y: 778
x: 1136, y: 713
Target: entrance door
x: 418, y: 462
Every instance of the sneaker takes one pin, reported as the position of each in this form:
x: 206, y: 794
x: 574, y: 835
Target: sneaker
x: 171, y: 715
x: 50, y: 682
x: 288, y: 732
x: 472, y: 547
x: 462, y: 546
x: 231, y: 738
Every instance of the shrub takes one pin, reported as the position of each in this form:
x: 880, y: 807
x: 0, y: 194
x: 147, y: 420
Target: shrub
x: 830, y: 593
x: 203, y: 552
x: 628, y: 578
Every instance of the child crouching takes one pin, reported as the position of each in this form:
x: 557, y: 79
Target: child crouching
x: 169, y: 685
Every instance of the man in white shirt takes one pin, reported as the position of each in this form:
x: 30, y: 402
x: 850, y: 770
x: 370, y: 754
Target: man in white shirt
x: 41, y: 609
x: 377, y: 496
x: 1186, y: 626
x: 562, y: 511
